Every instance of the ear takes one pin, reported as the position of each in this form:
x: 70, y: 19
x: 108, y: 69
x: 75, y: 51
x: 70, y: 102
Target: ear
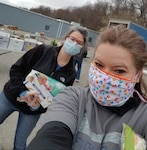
x: 139, y: 75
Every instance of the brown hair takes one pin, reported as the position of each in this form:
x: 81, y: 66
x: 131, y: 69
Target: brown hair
x: 130, y: 40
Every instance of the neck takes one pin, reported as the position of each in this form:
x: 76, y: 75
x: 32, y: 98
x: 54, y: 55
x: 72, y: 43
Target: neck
x: 63, y: 58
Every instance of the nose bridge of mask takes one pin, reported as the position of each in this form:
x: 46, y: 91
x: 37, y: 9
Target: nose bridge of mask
x: 75, y: 42
x: 78, y: 41
x: 72, y: 43
x: 77, y: 45
x: 116, y: 76
x: 72, y: 40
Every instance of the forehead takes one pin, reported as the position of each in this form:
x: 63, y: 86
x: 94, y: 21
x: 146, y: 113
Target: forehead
x: 114, y: 55
x: 77, y: 35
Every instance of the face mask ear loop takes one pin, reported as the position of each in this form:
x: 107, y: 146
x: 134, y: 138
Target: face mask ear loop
x: 140, y: 96
x: 137, y: 75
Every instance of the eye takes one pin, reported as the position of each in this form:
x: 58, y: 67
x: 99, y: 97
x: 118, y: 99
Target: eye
x: 71, y: 39
x: 98, y: 65
x: 120, y: 71
x: 80, y: 43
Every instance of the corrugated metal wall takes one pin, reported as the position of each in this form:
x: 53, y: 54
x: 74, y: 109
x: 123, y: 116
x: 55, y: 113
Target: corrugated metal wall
x: 33, y: 22
x: 140, y: 30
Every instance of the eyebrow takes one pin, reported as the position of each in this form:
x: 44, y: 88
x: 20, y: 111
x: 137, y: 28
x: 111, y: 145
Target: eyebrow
x: 97, y: 60
x: 120, y: 66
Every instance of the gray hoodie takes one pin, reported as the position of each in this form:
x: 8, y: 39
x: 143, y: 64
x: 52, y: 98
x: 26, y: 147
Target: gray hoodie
x: 95, y: 127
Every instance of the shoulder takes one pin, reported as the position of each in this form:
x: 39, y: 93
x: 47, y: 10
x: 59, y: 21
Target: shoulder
x: 71, y: 96
x: 75, y: 91
x: 66, y: 106
x: 139, y: 115
x: 142, y: 109
x: 138, y: 119
x: 36, y: 50
x: 44, y: 47
x: 46, y: 50
x: 49, y: 48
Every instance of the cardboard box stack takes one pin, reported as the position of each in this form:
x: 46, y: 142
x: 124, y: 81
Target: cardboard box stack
x: 4, y: 39
x: 16, y: 44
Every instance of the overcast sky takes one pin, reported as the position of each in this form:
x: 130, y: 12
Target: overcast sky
x: 53, y: 4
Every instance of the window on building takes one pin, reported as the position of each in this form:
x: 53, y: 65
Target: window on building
x: 47, y: 27
x: 90, y: 39
x: 115, y: 24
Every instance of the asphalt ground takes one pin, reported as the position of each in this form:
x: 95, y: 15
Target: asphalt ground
x: 7, y: 128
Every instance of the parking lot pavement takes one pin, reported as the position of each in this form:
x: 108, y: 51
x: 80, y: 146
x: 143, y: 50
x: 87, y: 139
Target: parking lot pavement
x: 7, y: 128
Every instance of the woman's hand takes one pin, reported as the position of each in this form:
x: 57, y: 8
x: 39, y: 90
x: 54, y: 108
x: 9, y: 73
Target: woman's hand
x: 31, y: 98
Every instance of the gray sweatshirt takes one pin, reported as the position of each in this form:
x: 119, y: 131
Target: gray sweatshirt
x: 94, y: 127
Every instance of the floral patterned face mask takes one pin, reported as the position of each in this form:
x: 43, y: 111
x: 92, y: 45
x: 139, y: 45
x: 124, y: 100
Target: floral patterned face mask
x: 109, y: 90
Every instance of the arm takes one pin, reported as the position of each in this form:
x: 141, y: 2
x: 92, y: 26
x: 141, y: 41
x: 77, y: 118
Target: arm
x: 21, y: 68
x: 52, y: 136
x: 61, y: 121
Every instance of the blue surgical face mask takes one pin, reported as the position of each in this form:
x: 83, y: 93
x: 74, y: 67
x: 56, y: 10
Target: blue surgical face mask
x: 71, y: 47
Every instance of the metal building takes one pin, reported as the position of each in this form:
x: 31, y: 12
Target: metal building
x: 34, y: 22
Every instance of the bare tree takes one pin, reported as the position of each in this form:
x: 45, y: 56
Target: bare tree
x: 96, y: 16
x: 141, y: 6
x: 42, y: 10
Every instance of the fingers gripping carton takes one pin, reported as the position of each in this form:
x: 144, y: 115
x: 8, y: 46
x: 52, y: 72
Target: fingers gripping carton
x: 46, y: 86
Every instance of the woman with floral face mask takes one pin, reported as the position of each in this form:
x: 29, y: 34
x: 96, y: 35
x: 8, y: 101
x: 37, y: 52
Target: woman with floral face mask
x: 93, y: 117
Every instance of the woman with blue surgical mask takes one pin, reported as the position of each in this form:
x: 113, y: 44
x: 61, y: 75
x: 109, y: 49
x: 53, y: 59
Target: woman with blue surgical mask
x: 95, y: 117
x: 72, y: 46
x: 73, y: 43
x: 53, y: 61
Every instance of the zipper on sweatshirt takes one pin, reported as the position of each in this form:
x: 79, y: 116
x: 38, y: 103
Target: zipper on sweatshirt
x: 101, y: 146
x: 52, y: 74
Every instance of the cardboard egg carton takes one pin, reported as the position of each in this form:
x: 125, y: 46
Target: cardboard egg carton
x: 46, y: 86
